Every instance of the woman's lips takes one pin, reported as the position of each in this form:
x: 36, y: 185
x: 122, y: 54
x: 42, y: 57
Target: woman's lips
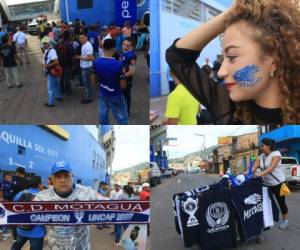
x: 229, y: 85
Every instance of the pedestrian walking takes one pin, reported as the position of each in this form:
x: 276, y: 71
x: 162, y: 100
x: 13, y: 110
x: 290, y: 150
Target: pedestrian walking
x: 20, y: 40
x: 86, y: 64
x: 8, y: 57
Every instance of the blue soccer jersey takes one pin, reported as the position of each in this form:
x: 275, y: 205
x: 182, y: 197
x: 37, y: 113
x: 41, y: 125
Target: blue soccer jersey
x: 110, y: 73
x: 129, y: 60
x: 93, y: 38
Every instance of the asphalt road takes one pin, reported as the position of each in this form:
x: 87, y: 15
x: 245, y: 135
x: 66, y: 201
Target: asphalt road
x: 25, y: 105
x: 165, y: 237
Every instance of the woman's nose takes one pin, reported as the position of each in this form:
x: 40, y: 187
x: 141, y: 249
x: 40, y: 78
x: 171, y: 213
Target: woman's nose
x: 223, y: 72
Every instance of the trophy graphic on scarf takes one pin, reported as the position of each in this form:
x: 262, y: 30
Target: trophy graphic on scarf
x: 79, y: 215
x: 190, y: 206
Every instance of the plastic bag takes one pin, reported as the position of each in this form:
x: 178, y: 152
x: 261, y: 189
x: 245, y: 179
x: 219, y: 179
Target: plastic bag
x: 284, y: 190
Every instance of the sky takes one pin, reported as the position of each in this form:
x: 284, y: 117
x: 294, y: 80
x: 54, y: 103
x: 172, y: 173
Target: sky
x: 187, y: 142
x: 132, y: 146
x: 224, y: 2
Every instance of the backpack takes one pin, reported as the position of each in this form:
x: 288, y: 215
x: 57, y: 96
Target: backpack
x: 64, y: 52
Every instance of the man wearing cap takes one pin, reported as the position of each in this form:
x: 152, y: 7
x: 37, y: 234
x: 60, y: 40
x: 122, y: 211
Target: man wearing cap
x: 145, y: 193
x: 50, y: 61
x: 67, y: 237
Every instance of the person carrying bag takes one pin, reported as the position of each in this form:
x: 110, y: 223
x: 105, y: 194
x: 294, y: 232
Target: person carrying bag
x: 273, y: 177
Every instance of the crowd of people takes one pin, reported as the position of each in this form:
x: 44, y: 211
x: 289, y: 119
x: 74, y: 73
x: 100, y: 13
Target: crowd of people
x: 61, y: 186
x: 182, y: 108
x: 80, y: 55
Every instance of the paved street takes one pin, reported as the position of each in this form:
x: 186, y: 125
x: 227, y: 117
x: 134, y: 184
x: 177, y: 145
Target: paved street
x: 25, y: 105
x: 165, y: 237
x: 159, y: 105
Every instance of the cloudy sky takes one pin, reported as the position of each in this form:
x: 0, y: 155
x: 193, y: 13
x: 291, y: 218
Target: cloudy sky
x: 188, y: 142
x: 132, y: 145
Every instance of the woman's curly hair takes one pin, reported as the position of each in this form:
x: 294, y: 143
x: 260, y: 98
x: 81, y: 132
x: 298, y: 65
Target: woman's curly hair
x: 277, y: 30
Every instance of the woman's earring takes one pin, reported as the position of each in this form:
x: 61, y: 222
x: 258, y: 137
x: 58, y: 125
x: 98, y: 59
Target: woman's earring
x: 272, y: 74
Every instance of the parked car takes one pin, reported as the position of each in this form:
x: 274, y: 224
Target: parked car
x: 168, y: 172
x: 194, y: 170
x: 33, y: 27
x: 291, y: 170
x: 154, y: 174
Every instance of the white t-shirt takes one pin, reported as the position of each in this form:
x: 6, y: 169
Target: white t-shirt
x: 69, y: 237
x: 19, y: 38
x: 52, y: 55
x: 86, y: 49
x: 114, y: 195
x: 269, y: 180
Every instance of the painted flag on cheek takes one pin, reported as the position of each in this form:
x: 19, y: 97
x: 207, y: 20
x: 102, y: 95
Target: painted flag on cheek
x: 247, y: 76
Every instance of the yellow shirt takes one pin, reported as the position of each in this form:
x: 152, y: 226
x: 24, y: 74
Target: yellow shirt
x: 183, y: 106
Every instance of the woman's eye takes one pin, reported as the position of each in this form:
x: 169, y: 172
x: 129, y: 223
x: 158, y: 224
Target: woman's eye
x: 231, y: 58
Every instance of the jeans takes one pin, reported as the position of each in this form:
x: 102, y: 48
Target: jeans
x: 127, y: 95
x: 22, y: 51
x: 118, y: 106
x: 35, y: 243
x: 141, y: 41
x: 86, y: 80
x: 65, y: 80
x: 53, y: 89
x: 120, y: 228
x: 11, y: 76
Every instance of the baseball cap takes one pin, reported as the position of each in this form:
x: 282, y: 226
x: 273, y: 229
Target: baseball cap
x: 61, y: 166
x: 146, y: 184
x: 45, y: 40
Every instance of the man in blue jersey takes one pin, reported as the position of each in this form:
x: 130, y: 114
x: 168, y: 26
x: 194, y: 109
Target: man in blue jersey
x: 128, y: 58
x: 94, y: 38
x: 34, y: 234
x: 111, y: 79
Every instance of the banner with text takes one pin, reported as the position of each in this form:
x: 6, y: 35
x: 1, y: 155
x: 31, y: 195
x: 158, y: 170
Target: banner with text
x: 126, y: 10
x: 74, y: 213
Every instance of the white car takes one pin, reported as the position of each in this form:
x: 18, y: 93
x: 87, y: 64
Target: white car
x: 291, y: 170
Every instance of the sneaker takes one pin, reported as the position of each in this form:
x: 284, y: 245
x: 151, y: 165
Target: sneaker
x: 59, y: 99
x: 86, y: 101
x: 49, y: 105
x: 10, y: 86
x: 284, y: 224
x: 118, y: 244
x: 19, y: 86
x: 260, y: 238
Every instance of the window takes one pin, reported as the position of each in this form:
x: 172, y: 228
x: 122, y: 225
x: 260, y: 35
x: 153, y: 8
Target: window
x: 84, y: 4
x: 140, y: 2
x: 21, y: 150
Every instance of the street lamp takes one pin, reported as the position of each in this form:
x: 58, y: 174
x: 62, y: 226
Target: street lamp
x: 203, y: 136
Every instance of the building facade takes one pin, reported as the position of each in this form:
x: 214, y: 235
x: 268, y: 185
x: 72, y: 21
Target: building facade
x: 158, y: 137
x: 287, y: 139
x: 105, y: 12
x: 107, y: 140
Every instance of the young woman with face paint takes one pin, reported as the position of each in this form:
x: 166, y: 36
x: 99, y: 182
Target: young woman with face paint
x: 261, y: 67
